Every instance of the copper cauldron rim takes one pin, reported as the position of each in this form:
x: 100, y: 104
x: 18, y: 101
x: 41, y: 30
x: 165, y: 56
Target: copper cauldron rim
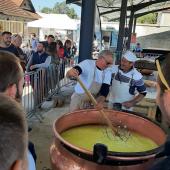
x: 116, y: 155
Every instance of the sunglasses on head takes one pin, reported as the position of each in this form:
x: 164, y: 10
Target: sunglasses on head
x: 158, y: 61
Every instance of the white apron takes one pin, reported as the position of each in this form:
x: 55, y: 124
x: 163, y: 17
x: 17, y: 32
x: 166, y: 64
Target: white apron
x: 119, y: 92
x: 82, y: 101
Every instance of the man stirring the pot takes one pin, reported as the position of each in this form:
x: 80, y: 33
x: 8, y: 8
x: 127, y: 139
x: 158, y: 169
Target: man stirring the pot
x: 96, y: 76
x: 126, y: 81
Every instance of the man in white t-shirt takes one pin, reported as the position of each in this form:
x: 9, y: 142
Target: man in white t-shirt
x: 127, y: 84
x: 95, y: 75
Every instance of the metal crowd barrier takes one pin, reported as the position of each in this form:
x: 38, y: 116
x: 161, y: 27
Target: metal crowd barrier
x: 43, y: 84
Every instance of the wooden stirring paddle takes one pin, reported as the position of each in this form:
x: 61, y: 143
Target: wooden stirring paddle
x: 104, y: 115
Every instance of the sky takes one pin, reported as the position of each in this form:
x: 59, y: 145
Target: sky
x: 39, y: 4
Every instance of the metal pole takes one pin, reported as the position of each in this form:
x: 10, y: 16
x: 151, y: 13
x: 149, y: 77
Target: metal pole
x: 130, y: 29
x: 87, y: 29
x: 121, y: 29
x: 134, y: 25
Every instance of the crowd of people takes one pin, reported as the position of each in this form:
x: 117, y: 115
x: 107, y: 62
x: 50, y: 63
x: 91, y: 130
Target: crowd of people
x: 50, y: 55
x: 40, y: 54
x: 14, y: 61
x: 122, y: 82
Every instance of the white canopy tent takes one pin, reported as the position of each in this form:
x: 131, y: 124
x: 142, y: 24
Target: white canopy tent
x: 57, y: 21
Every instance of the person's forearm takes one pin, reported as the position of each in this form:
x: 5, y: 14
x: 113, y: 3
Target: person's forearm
x: 100, y: 102
x: 101, y: 99
x: 137, y: 98
x: 45, y: 64
x: 131, y: 103
x: 29, y: 63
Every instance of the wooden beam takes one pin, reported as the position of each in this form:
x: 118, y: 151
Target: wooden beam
x: 148, y: 12
x: 110, y: 11
x: 73, y: 1
x: 111, y: 7
x: 144, y: 5
x: 135, y: 7
x: 142, y: 14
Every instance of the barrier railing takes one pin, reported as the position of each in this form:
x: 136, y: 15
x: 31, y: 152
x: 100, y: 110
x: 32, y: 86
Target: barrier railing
x: 42, y: 84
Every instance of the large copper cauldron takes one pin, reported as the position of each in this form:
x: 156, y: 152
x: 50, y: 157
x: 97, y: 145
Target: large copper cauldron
x: 65, y: 156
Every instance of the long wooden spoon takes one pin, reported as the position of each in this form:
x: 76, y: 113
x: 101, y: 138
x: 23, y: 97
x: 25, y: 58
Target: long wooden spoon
x: 104, y: 115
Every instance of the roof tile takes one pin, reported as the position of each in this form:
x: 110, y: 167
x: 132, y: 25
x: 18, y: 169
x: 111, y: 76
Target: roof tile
x: 8, y: 7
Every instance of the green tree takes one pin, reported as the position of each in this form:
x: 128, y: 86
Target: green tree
x: 61, y: 8
x: 148, y: 19
x: 72, y: 14
x: 46, y: 10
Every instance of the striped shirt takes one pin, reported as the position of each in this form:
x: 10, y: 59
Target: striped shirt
x: 133, y: 78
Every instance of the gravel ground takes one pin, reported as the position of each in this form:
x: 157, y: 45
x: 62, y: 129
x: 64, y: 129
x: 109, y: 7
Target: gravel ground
x: 42, y: 133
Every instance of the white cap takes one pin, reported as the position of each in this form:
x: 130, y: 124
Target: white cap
x: 128, y: 55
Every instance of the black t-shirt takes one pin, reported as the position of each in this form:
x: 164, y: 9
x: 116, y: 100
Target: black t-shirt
x: 11, y: 49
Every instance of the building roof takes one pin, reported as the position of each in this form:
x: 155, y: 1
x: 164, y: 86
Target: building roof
x: 10, y: 8
x: 110, y: 9
x: 18, y: 2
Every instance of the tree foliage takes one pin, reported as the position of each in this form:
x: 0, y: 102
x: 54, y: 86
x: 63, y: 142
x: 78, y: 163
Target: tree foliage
x: 46, y: 10
x: 148, y: 19
x: 61, y: 8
